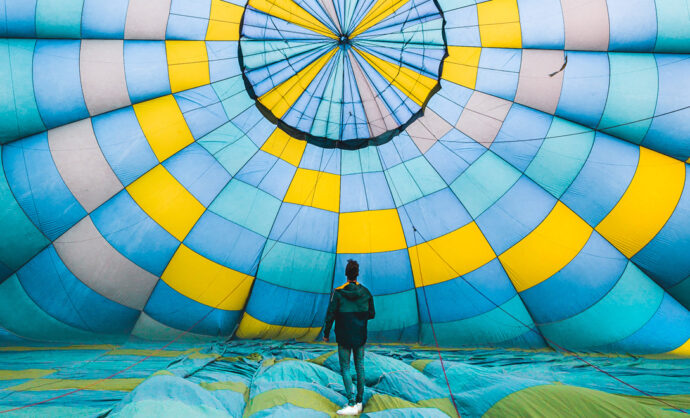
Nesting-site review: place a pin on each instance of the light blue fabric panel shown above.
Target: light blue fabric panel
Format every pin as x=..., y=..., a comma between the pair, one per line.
x=430, y=222
x=378, y=191
x=603, y=179
x=19, y=114
x=256, y=126
x=299, y=309
x=402, y=185
x=396, y=318
x=515, y=214
x=673, y=32
x=668, y=133
x=104, y=19
x=623, y=311
x=578, y=285
x=222, y=60
x=321, y=159
x=541, y=23
x=175, y=310
x=202, y=110
x=146, y=70
x=188, y=19
x=561, y=156
x=498, y=72
x=59, y=19
x=449, y=101
x=289, y=266
x=123, y=144
x=382, y=273
x=231, y=147
x=465, y=31
x=19, y=18
x=633, y=25
x=306, y=227
x=198, y=172
x=353, y=197
x=233, y=94
x=226, y=243
x=134, y=234
x=38, y=187
x=521, y=135
x=59, y=293
x=585, y=87
x=247, y=206
x=425, y=177
x=56, y=82
x=632, y=96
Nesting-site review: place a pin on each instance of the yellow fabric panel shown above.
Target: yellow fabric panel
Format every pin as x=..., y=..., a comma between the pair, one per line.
x=187, y=64
x=547, y=249
x=163, y=125
x=166, y=201
x=224, y=22
x=499, y=24
x=285, y=147
x=645, y=207
x=251, y=327
x=371, y=231
x=289, y=11
x=207, y=282
x=378, y=12
x=460, y=67
x=280, y=98
x=416, y=86
x=450, y=256
x=123, y=384
x=24, y=374
x=315, y=188
x=682, y=351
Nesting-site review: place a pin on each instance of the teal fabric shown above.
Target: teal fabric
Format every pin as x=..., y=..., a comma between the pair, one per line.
x=357, y=354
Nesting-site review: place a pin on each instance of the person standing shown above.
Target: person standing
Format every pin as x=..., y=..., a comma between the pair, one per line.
x=351, y=307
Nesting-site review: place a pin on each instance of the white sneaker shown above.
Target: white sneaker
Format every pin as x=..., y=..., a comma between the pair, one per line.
x=348, y=410
x=359, y=407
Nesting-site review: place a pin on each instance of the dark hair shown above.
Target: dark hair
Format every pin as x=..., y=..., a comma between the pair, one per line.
x=352, y=270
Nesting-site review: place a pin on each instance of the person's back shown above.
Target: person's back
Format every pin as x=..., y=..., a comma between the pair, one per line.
x=351, y=307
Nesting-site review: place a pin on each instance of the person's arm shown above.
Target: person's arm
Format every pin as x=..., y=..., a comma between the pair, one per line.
x=330, y=316
x=372, y=312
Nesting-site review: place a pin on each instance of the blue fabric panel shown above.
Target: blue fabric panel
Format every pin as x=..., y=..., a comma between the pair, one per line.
x=353, y=197
x=541, y=22
x=58, y=292
x=256, y=169
x=585, y=87
x=449, y=101
x=104, y=19
x=188, y=19
x=378, y=192
x=226, y=243
x=632, y=25
x=464, y=297
x=464, y=31
x=521, y=135
x=306, y=227
x=448, y=165
x=665, y=258
x=277, y=180
x=579, y=285
x=38, y=187
x=256, y=126
x=434, y=215
x=134, y=234
x=668, y=133
x=56, y=82
x=668, y=329
x=247, y=206
x=320, y=159
x=123, y=144
x=405, y=147
x=202, y=110
x=198, y=172
x=515, y=215
x=603, y=179
x=498, y=72
x=298, y=309
x=146, y=70
x=382, y=273
x=173, y=309
x=288, y=265
x=396, y=317
x=390, y=157
x=681, y=292
x=19, y=18
x=222, y=60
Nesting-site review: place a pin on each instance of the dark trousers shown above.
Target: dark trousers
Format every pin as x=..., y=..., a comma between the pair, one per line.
x=344, y=358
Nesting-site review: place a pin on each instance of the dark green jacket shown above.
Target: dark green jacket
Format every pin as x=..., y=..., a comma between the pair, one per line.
x=351, y=307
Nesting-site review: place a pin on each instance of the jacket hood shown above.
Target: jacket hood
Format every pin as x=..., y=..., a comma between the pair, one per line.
x=352, y=291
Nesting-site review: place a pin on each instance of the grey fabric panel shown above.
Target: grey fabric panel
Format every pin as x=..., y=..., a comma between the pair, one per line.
x=428, y=129
x=483, y=117
x=102, y=69
x=330, y=9
x=538, y=88
x=82, y=165
x=102, y=268
x=377, y=125
x=586, y=24
x=147, y=19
